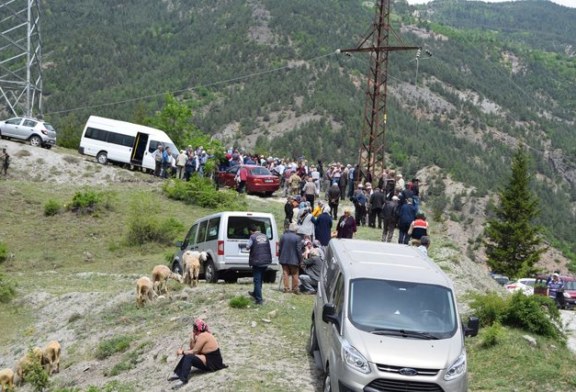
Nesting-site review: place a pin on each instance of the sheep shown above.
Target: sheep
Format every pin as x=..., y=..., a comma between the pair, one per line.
x=160, y=276
x=51, y=357
x=144, y=291
x=191, y=261
x=6, y=379
x=35, y=355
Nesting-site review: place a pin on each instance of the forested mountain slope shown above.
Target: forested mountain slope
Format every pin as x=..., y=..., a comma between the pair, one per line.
x=265, y=74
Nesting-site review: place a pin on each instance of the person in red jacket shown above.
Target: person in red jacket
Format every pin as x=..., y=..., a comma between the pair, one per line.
x=418, y=229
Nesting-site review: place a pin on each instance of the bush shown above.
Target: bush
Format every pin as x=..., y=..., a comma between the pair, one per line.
x=200, y=191
x=239, y=302
x=150, y=227
x=112, y=346
x=535, y=314
x=52, y=207
x=7, y=289
x=90, y=201
x=3, y=252
x=491, y=336
x=35, y=373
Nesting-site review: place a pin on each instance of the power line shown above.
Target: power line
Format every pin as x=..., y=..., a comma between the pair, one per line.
x=236, y=79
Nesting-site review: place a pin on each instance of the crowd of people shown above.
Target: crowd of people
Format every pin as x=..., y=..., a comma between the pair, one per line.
x=170, y=164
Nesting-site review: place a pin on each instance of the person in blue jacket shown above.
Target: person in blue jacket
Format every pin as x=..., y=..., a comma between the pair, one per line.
x=406, y=215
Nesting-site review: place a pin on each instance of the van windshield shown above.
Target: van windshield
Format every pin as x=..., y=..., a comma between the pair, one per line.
x=402, y=308
x=238, y=227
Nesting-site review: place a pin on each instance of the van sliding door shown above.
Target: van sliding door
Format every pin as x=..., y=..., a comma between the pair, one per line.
x=139, y=149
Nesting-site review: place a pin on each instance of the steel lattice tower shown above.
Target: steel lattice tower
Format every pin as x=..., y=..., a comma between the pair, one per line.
x=20, y=57
x=372, y=142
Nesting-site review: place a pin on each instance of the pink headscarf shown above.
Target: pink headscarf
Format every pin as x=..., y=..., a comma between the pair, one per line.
x=200, y=326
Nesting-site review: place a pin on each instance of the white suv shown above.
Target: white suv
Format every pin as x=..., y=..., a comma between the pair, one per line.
x=223, y=236
x=37, y=132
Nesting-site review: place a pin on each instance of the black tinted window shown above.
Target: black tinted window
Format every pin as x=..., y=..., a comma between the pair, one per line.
x=123, y=140
x=238, y=227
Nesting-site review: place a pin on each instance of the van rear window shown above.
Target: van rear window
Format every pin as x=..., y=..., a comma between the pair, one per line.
x=238, y=227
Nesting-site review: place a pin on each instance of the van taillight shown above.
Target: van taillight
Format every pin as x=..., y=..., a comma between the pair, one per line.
x=277, y=249
x=220, y=248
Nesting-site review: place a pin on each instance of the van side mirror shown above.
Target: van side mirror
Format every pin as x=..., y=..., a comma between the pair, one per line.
x=329, y=315
x=472, y=328
x=178, y=244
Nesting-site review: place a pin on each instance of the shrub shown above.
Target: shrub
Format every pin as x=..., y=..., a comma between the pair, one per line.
x=35, y=373
x=52, y=207
x=200, y=191
x=491, y=336
x=7, y=289
x=239, y=302
x=112, y=346
x=90, y=201
x=143, y=229
x=3, y=252
x=488, y=308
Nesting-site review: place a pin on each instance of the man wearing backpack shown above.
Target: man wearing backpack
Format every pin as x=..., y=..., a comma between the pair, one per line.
x=390, y=213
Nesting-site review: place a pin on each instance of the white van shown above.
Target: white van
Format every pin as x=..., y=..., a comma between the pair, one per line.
x=385, y=319
x=123, y=142
x=224, y=236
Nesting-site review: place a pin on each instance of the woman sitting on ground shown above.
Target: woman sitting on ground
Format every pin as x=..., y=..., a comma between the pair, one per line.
x=204, y=354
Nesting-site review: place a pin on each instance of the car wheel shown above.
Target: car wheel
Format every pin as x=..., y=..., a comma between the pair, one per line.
x=313, y=340
x=327, y=381
x=268, y=194
x=48, y=146
x=269, y=277
x=176, y=267
x=102, y=158
x=210, y=273
x=35, y=141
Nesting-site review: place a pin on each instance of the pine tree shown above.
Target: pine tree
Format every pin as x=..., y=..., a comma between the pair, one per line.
x=512, y=238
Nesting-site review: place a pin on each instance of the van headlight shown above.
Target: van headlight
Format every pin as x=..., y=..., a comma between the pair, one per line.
x=354, y=359
x=457, y=369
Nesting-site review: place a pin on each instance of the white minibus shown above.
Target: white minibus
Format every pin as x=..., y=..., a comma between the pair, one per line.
x=123, y=142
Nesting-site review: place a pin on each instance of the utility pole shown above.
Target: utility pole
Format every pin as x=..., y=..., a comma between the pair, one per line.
x=372, y=143
x=20, y=57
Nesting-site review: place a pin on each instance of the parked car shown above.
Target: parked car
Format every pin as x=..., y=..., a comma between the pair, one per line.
x=37, y=132
x=526, y=285
x=501, y=279
x=224, y=236
x=570, y=293
x=259, y=180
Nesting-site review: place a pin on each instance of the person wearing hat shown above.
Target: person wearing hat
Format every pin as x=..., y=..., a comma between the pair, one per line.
x=556, y=290
x=203, y=353
x=290, y=257
x=418, y=228
x=390, y=212
x=346, y=226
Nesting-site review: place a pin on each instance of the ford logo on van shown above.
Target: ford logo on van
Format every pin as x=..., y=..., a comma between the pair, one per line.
x=408, y=372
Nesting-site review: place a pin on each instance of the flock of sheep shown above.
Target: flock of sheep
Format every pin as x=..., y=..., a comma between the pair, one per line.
x=48, y=357
x=149, y=289
x=146, y=290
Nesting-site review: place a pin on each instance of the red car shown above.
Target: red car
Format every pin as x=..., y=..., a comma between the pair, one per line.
x=260, y=179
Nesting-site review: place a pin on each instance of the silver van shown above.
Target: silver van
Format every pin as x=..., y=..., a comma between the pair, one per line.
x=385, y=319
x=224, y=236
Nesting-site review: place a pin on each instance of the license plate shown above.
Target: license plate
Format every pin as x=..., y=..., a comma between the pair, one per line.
x=268, y=180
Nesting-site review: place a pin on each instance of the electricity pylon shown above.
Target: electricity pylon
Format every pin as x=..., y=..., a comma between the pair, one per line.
x=20, y=58
x=372, y=144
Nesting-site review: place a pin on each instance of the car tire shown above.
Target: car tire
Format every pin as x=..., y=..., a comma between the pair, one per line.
x=210, y=273
x=269, y=277
x=176, y=267
x=327, y=387
x=313, y=340
x=48, y=146
x=102, y=158
x=35, y=141
x=268, y=194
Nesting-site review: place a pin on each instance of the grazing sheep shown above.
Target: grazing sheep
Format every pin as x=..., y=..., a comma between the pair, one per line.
x=144, y=291
x=51, y=357
x=6, y=379
x=191, y=261
x=160, y=276
x=26, y=361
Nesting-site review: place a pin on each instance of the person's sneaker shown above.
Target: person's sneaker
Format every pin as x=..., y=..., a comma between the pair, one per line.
x=173, y=377
x=179, y=385
x=251, y=293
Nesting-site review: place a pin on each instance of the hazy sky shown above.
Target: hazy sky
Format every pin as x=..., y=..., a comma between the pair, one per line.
x=567, y=3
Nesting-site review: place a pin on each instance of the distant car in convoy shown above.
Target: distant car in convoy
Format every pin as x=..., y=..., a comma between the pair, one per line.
x=37, y=132
x=259, y=180
x=526, y=285
x=501, y=279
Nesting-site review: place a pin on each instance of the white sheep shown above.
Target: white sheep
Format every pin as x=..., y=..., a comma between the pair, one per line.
x=144, y=291
x=51, y=357
x=160, y=276
x=6, y=379
x=191, y=262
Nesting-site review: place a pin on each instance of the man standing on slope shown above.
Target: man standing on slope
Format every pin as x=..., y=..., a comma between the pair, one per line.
x=260, y=257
